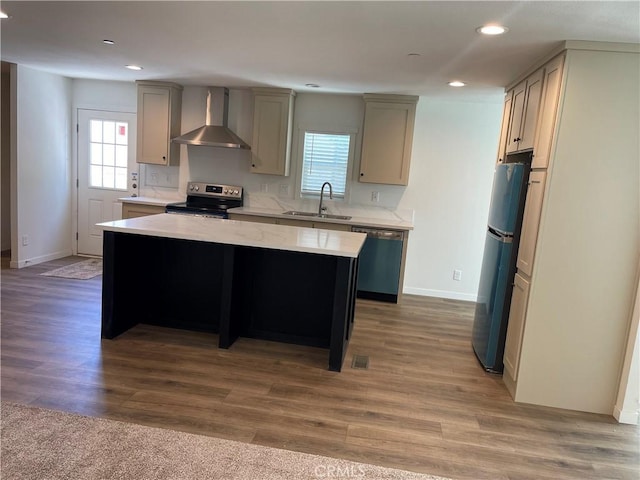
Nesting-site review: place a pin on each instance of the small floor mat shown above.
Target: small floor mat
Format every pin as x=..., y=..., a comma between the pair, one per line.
x=80, y=271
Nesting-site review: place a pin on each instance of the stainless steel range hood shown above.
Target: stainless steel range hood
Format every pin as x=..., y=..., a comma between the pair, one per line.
x=215, y=132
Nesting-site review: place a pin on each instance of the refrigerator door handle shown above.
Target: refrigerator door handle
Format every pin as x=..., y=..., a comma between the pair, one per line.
x=500, y=238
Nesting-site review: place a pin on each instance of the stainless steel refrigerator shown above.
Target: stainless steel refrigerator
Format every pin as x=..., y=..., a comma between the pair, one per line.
x=499, y=261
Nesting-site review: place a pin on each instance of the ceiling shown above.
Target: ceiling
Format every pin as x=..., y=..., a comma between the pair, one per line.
x=346, y=47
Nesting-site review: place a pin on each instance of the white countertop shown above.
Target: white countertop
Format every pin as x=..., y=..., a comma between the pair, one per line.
x=355, y=220
x=161, y=202
x=247, y=234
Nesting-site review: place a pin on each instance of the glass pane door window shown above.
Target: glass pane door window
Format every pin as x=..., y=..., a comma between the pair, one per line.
x=108, y=157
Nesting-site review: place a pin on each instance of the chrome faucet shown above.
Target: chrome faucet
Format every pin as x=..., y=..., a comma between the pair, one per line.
x=321, y=209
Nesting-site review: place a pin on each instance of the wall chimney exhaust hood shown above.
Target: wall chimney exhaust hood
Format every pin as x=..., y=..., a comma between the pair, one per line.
x=215, y=132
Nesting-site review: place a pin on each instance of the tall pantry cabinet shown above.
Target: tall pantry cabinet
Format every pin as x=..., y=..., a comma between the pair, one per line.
x=580, y=243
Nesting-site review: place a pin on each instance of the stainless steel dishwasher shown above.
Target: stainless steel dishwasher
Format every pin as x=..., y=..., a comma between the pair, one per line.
x=379, y=264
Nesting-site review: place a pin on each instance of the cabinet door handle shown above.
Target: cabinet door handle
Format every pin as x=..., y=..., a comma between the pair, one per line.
x=253, y=165
x=362, y=174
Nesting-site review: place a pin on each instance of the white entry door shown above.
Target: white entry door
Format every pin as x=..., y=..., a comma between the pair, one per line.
x=107, y=170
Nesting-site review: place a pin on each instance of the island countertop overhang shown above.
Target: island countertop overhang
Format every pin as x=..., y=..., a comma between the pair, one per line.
x=246, y=234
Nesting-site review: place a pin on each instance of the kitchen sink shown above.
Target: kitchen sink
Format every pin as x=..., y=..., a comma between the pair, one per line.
x=317, y=215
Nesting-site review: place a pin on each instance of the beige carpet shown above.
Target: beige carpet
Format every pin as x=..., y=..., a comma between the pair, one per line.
x=80, y=271
x=44, y=444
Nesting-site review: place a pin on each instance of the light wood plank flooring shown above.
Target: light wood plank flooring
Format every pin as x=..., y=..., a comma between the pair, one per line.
x=424, y=404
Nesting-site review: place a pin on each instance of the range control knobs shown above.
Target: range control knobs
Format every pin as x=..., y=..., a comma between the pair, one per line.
x=197, y=188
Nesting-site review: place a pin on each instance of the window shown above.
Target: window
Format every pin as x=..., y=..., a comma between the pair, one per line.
x=325, y=158
x=108, y=154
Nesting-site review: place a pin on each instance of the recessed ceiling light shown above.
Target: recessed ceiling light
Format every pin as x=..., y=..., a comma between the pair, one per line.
x=457, y=83
x=133, y=67
x=108, y=42
x=492, y=30
x=312, y=85
x=3, y=15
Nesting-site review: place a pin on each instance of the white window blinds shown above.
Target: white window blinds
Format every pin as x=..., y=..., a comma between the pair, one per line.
x=325, y=159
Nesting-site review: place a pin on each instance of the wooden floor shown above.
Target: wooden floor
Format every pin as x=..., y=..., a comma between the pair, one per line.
x=424, y=404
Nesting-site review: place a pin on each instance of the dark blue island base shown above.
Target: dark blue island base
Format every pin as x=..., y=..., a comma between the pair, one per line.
x=292, y=297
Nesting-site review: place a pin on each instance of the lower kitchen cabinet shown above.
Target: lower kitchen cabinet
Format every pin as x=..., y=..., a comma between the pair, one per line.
x=531, y=222
x=232, y=290
x=319, y=225
x=332, y=226
x=291, y=222
x=252, y=218
x=294, y=222
x=134, y=210
x=515, y=329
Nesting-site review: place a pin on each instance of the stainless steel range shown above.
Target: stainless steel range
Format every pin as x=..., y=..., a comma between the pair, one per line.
x=208, y=200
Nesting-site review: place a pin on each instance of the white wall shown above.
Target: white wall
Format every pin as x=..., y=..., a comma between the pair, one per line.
x=454, y=152
x=42, y=209
x=104, y=95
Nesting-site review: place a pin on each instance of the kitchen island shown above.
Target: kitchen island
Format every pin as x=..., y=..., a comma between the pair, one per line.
x=233, y=278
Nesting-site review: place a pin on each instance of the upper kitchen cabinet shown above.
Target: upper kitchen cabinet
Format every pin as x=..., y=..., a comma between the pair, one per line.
x=135, y=210
x=504, y=129
x=548, y=111
x=272, y=129
x=524, y=113
x=159, y=114
x=387, y=138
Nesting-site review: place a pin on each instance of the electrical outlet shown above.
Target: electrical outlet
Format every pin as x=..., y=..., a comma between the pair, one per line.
x=25, y=240
x=457, y=275
x=264, y=187
x=375, y=196
x=284, y=189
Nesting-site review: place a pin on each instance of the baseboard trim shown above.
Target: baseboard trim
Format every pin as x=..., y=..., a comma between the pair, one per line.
x=41, y=259
x=631, y=417
x=426, y=292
